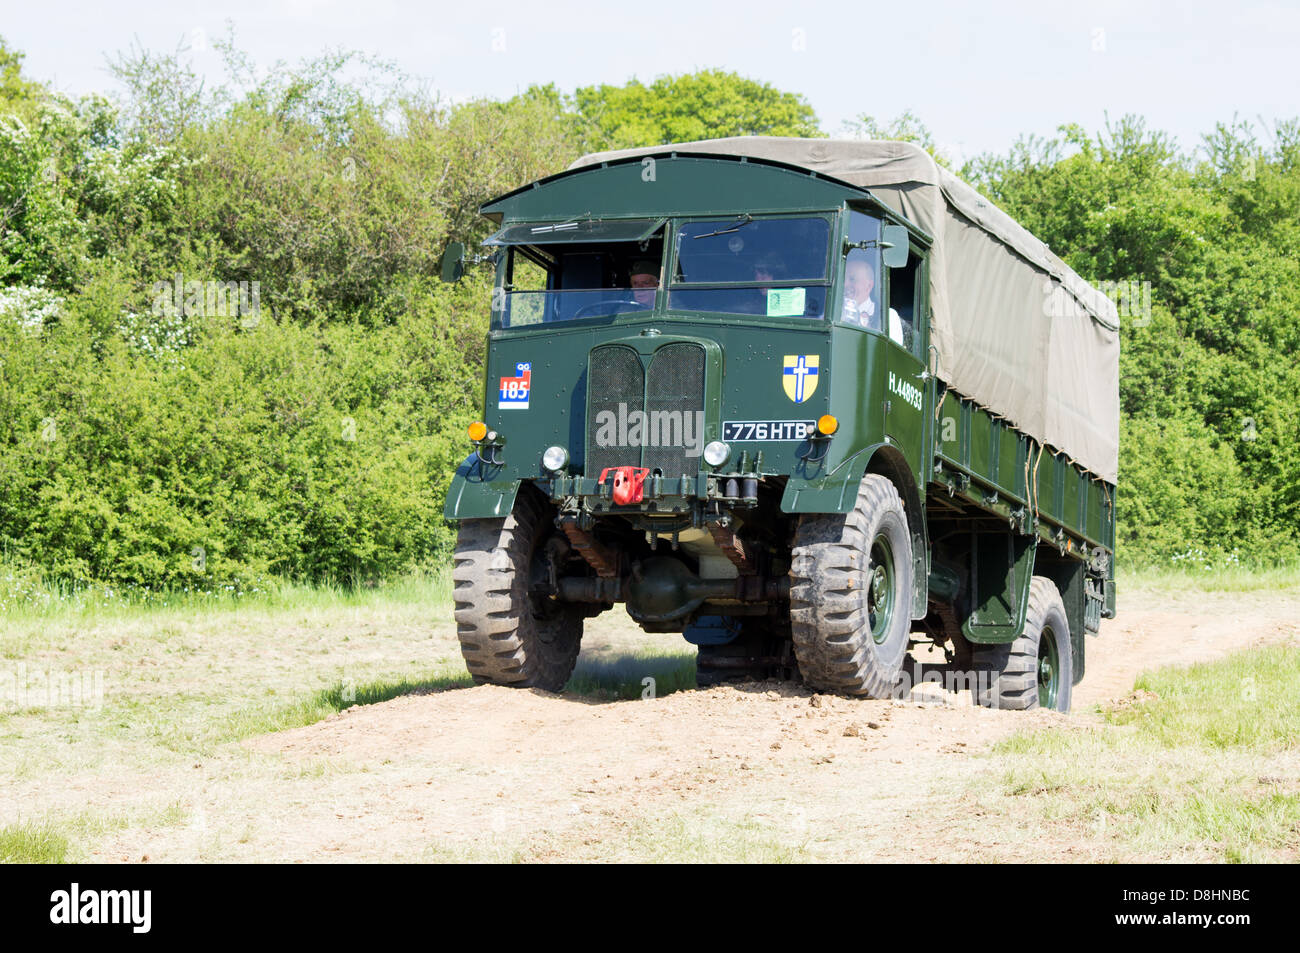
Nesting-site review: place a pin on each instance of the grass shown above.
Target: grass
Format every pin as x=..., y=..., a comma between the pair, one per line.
x=328, y=701
x=181, y=677
x=1209, y=577
x=1248, y=701
x=1198, y=764
x=675, y=837
x=185, y=675
x=33, y=843
x=703, y=836
x=27, y=594
x=57, y=838
x=634, y=675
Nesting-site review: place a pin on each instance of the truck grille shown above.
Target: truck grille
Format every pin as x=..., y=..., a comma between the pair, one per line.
x=615, y=377
x=674, y=392
x=671, y=395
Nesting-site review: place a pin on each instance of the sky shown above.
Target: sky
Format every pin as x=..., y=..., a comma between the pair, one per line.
x=979, y=75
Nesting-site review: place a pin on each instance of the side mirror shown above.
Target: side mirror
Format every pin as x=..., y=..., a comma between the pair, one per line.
x=894, y=239
x=453, y=262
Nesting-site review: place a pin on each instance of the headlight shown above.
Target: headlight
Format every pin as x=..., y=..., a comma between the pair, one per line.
x=717, y=453
x=555, y=458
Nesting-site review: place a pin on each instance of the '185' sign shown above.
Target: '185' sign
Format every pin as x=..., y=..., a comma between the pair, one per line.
x=513, y=394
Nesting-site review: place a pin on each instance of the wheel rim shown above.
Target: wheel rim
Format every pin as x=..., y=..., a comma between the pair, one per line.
x=880, y=589
x=1049, y=669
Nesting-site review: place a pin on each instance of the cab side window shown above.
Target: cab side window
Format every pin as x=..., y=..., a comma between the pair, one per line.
x=861, y=304
x=903, y=299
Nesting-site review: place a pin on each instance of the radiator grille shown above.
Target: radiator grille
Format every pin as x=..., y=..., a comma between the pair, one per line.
x=674, y=394
x=671, y=395
x=615, y=377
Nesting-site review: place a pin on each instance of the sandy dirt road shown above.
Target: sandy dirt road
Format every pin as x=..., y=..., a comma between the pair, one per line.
x=763, y=771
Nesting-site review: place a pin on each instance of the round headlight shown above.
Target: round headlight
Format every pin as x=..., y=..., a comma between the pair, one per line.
x=555, y=458
x=717, y=453
x=477, y=430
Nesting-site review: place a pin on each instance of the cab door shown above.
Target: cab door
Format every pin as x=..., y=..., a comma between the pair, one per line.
x=858, y=352
x=906, y=390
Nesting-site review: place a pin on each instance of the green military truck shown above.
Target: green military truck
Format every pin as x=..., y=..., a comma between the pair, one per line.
x=808, y=403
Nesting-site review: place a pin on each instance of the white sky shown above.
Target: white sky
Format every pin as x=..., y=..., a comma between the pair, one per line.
x=978, y=74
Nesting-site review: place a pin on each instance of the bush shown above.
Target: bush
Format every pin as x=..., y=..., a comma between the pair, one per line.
x=316, y=451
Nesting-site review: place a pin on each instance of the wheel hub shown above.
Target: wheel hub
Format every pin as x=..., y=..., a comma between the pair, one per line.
x=880, y=589
x=1048, y=669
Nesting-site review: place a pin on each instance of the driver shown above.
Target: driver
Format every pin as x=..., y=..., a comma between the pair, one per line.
x=645, y=282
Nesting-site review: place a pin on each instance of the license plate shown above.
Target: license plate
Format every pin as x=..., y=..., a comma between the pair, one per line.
x=738, y=430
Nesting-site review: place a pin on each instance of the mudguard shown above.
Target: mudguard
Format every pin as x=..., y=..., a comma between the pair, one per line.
x=1002, y=569
x=473, y=495
x=835, y=492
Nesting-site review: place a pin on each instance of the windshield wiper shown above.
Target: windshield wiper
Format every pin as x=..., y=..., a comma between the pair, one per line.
x=741, y=221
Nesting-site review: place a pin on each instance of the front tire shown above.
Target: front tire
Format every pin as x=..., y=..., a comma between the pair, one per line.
x=509, y=634
x=851, y=593
x=1037, y=669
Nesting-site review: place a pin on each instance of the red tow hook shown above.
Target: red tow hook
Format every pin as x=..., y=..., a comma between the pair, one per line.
x=628, y=483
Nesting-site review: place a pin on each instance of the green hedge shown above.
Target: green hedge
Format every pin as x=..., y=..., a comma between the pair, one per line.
x=316, y=451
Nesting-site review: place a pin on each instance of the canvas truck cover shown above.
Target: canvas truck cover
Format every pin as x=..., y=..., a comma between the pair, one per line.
x=1014, y=328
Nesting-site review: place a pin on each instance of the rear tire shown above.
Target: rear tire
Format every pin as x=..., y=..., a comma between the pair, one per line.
x=1037, y=669
x=851, y=593
x=509, y=634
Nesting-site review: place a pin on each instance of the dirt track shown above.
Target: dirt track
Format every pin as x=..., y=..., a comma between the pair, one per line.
x=763, y=771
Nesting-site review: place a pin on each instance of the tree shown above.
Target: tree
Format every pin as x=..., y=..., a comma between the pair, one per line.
x=13, y=88
x=906, y=127
x=708, y=104
x=1209, y=427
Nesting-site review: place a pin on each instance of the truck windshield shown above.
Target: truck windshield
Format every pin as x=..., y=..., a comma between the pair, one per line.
x=774, y=267
x=579, y=280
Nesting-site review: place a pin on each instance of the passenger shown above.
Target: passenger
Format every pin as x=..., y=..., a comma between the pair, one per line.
x=859, y=282
x=860, y=306
x=644, y=279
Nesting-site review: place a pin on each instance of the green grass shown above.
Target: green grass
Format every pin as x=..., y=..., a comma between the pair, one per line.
x=56, y=838
x=33, y=843
x=625, y=677
x=1248, y=701
x=26, y=594
x=1244, y=576
x=1199, y=763
x=262, y=720
x=702, y=836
